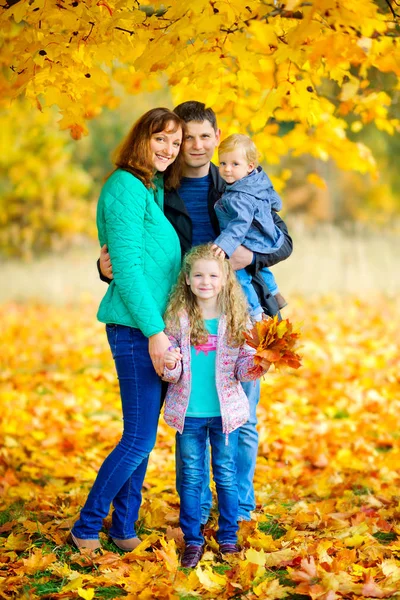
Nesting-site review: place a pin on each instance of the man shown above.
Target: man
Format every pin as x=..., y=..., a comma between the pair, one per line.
x=190, y=209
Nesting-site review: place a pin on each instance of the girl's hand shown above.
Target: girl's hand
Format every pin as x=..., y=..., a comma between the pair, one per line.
x=172, y=356
x=218, y=251
x=158, y=345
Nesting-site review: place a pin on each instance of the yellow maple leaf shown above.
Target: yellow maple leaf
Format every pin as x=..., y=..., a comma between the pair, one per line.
x=16, y=542
x=209, y=579
x=87, y=594
x=274, y=559
x=168, y=554
x=349, y=90
x=75, y=583
x=256, y=557
x=316, y=180
x=271, y=590
x=38, y=561
x=355, y=541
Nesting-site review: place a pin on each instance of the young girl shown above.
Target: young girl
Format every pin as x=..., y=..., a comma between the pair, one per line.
x=206, y=317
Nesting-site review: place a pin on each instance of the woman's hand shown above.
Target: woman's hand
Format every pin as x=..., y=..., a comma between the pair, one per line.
x=158, y=346
x=105, y=263
x=171, y=357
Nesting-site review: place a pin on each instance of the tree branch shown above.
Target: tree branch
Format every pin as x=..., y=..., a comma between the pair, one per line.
x=391, y=8
x=396, y=15
x=126, y=30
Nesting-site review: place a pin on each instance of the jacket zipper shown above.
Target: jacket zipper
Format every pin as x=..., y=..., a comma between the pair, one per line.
x=190, y=383
x=217, y=381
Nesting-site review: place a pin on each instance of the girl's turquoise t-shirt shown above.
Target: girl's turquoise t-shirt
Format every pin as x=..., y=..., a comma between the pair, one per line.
x=203, y=401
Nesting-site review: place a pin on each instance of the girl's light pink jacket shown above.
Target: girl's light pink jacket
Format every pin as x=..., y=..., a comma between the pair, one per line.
x=232, y=366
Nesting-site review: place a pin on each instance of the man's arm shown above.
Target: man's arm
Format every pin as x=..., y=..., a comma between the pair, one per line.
x=243, y=257
x=104, y=266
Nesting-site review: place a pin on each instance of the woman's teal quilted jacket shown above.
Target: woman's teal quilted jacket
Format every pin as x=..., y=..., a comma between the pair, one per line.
x=144, y=251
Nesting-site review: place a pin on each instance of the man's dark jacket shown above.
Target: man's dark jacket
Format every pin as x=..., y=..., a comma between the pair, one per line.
x=177, y=214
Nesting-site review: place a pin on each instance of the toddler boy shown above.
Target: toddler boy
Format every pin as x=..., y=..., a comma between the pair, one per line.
x=244, y=213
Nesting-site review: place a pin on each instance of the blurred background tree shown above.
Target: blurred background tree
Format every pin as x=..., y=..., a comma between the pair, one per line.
x=316, y=84
x=46, y=195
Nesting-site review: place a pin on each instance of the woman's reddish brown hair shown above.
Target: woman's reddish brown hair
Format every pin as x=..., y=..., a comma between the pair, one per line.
x=134, y=154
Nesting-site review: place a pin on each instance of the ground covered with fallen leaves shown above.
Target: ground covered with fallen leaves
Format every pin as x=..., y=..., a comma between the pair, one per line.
x=327, y=481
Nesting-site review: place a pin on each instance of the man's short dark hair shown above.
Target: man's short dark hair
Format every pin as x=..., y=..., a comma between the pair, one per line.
x=196, y=111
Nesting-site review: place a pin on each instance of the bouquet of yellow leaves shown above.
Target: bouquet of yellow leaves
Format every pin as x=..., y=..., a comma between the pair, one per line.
x=274, y=342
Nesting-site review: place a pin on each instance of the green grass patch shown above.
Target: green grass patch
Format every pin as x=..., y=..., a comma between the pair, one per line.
x=14, y=511
x=141, y=529
x=112, y=591
x=385, y=537
x=44, y=588
x=109, y=545
x=284, y=578
x=221, y=569
x=288, y=504
x=360, y=490
x=384, y=448
x=272, y=528
x=341, y=414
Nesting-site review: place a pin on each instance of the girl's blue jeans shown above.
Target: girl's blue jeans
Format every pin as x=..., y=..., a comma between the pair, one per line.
x=245, y=462
x=120, y=478
x=191, y=445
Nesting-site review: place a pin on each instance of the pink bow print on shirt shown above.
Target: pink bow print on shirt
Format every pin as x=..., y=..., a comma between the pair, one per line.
x=209, y=346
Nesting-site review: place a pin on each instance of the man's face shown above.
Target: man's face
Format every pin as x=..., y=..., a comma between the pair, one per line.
x=199, y=143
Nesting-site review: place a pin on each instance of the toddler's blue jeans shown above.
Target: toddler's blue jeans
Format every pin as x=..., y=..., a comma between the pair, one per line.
x=120, y=478
x=191, y=445
x=244, y=279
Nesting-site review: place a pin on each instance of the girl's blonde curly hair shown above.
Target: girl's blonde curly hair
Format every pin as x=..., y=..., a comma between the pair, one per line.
x=231, y=300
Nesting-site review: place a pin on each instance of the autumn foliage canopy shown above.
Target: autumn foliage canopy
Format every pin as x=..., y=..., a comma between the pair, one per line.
x=293, y=67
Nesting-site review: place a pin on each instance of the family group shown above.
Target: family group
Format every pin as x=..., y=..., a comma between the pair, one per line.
x=186, y=250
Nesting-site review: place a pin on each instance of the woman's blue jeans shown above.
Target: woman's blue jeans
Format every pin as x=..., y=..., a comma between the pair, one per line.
x=120, y=478
x=192, y=444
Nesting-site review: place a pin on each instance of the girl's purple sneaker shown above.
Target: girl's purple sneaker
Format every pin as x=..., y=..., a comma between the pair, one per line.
x=227, y=548
x=191, y=556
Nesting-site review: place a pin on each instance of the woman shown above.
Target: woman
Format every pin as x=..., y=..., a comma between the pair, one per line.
x=145, y=254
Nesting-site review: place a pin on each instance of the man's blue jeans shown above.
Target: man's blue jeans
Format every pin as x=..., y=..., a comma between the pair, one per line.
x=192, y=443
x=245, y=462
x=120, y=478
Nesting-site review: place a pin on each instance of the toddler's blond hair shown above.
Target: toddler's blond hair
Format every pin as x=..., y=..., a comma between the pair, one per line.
x=239, y=140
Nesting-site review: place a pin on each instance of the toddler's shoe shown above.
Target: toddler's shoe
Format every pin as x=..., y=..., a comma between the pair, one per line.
x=228, y=548
x=280, y=300
x=191, y=556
